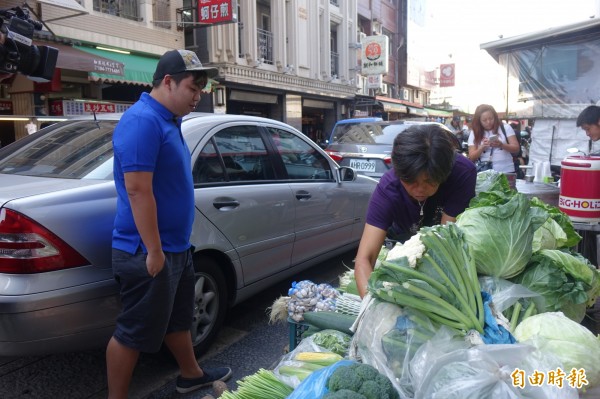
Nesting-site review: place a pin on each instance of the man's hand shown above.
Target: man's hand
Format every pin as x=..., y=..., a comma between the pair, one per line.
x=155, y=262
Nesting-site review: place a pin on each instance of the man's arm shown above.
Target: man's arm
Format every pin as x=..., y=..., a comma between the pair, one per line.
x=143, y=207
x=370, y=244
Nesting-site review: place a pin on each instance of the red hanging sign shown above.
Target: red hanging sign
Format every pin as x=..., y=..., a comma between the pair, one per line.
x=447, y=75
x=212, y=12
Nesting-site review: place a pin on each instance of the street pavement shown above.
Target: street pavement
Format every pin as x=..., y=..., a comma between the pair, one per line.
x=248, y=342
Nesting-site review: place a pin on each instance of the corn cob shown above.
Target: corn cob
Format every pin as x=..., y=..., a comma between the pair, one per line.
x=321, y=358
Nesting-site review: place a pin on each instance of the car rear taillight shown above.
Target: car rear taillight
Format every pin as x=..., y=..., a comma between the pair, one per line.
x=336, y=156
x=28, y=247
x=387, y=160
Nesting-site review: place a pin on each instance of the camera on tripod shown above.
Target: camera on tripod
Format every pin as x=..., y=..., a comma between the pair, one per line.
x=18, y=53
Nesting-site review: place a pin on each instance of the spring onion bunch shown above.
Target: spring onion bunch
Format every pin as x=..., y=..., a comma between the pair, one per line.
x=260, y=385
x=442, y=283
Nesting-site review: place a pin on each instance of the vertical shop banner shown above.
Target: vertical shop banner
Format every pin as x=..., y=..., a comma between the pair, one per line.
x=447, y=72
x=212, y=12
x=374, y=55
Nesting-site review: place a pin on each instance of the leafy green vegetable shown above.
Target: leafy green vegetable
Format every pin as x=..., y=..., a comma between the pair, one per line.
x=443, y=283
x=568, y=282
x=573, y=344
x=490, y=181
x=333, y=340
x=557, y=232
x=262, y=384
x=499, y=231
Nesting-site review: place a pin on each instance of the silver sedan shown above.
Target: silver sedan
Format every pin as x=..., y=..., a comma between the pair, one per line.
x=269, y=203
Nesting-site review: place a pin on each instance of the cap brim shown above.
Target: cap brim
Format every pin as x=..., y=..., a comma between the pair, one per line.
x=211, y=72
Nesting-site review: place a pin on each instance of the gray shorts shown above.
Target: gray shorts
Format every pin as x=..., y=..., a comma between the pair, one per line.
x=153, y=307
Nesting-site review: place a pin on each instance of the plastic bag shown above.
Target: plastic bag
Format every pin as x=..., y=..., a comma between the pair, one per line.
x=306, y=345
x=315, y=385
x=444, y=368
x=512, y=300
x=387, y=337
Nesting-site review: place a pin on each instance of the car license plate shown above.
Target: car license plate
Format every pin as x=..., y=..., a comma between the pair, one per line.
x=361, y=165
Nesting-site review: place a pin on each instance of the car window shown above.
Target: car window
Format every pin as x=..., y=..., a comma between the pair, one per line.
x=74, y=149
x=389, y=133
x=361, y=133
x=301, y=160
x=367, y=133
x=236, y=153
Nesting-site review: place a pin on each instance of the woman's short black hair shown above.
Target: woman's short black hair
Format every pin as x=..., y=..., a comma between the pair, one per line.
x=427, y=148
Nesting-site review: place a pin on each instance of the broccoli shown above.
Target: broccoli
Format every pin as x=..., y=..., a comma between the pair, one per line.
x=344, y=377
x=370, y=390
x=362, y=379
x=385, y=385
x=343, y=394
x=366, y=372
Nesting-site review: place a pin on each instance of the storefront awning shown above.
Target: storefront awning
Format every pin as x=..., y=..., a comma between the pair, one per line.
x=138, y=69
x=438, y=112
x=63, y=9
x=417, y=111
x=77, y=60
x=393, y=107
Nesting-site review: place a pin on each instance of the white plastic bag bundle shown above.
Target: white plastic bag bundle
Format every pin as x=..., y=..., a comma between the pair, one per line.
x=441, y=369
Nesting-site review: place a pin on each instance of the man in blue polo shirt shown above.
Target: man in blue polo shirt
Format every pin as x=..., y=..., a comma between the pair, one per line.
x=152, y=260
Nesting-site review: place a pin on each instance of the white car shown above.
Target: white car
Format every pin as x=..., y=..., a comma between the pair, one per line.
x=269, y=203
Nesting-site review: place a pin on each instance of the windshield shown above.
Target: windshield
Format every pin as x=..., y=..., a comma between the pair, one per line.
x=366, y=133
x=73, y=150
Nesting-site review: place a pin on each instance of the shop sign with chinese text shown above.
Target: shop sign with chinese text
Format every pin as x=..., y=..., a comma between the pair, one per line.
x=69, y=107
x=374, y=55
x=212, y=12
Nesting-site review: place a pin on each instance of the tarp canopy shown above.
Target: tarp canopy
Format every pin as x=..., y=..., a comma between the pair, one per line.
x=551, y=74
x=550, y=139
x=138, y=68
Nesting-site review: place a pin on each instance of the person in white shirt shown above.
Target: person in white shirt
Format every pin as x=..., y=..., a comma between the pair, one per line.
x=491, y=140
x=31, y=127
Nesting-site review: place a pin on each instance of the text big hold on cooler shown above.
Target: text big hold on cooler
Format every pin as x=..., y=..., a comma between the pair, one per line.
x=580, y=188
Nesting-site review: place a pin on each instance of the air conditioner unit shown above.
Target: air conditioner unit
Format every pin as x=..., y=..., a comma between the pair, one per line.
x=383, y=89
x=361, y=36
x=405, y=93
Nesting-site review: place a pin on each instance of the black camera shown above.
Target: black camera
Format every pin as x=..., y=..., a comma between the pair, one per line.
x=18, y=53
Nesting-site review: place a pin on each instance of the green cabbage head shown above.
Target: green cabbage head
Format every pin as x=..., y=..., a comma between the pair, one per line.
x=573, y=344
x=499, y=233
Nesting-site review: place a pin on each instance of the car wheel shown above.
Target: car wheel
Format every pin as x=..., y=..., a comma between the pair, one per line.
x=210, y=303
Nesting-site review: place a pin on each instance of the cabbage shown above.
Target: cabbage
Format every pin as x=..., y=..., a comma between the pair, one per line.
x=573, y=344
x=499, y=231
x=568, y=282
x=557, y=232
x=549, y=236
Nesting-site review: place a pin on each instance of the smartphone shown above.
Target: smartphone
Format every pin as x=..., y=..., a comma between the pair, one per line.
x=494, y=137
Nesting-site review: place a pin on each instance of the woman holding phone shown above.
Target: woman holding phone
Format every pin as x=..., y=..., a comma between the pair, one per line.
x=492, y=141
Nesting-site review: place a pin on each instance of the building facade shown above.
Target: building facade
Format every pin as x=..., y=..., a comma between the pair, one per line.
x=90, y=76
x=298, y=61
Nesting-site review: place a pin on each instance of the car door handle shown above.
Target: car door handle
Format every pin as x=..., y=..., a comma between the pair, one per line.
x=226, y=205
x=303, y=195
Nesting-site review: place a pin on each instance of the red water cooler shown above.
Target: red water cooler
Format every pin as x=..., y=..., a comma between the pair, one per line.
x=580, y=188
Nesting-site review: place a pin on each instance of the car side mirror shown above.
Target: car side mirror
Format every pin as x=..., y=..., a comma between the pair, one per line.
x=346, y=173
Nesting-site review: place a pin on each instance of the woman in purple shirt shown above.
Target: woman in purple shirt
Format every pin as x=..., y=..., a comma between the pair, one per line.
x=430, y=183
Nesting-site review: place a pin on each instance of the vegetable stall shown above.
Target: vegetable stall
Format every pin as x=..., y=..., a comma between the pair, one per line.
x=488, y=307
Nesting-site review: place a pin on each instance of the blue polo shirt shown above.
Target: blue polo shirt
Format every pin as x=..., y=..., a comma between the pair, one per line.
x=148, y=139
